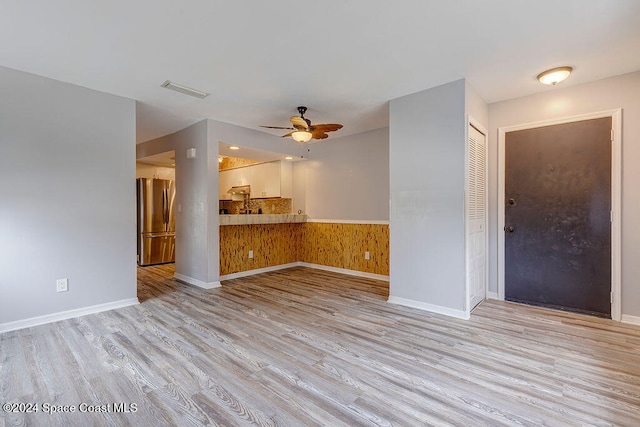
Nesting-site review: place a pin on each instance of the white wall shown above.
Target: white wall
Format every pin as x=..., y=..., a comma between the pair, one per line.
x=427, y=148
x=150, y=171
x=616, y=92
x=345, y=178
x=67, y=163
x=299, y=186
x=475, y=106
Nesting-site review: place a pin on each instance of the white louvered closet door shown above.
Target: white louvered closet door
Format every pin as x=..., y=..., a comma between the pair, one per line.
x=476, y=238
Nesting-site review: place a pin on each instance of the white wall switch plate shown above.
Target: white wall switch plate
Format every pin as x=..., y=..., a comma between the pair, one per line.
x=62, y=285
x=250, y=254
x=366, y=255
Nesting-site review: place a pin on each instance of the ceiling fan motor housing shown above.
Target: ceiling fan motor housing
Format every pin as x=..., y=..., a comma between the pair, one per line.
x=303, y=125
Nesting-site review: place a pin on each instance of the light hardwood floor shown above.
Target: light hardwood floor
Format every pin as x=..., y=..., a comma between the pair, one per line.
x=303, y=347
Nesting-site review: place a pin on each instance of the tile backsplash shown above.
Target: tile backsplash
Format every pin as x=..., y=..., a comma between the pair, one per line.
x=268, y=206
x=234, y=162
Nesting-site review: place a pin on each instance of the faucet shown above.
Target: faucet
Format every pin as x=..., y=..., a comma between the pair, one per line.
x=246, y=202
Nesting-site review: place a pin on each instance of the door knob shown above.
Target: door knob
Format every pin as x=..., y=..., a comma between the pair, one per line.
x=509, y=228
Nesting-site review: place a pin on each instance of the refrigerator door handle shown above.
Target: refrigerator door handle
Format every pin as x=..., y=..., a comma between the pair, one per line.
x=164, y=209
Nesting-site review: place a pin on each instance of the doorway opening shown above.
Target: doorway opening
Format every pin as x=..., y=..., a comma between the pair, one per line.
x=559, y=216
x=156, y=209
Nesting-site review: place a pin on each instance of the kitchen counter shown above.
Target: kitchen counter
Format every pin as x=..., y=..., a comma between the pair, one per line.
x=261, y=219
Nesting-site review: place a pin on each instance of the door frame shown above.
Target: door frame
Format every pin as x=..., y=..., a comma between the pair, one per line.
x=616, y=198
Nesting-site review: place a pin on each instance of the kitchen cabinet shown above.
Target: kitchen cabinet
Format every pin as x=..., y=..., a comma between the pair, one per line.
x=267, y=180
x=225, y=182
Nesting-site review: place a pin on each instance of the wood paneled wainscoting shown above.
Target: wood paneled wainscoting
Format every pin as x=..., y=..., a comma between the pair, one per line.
x=342, y=245
x=328, y=244
x=272, y=245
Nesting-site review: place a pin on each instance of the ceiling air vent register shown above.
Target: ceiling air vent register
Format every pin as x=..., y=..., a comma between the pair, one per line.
x=184, y=89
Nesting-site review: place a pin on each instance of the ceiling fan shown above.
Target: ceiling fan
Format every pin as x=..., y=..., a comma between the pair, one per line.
x=303, y=130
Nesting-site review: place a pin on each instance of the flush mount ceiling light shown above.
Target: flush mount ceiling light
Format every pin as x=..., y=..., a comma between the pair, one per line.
x=554, y=75
x=301, y=136
x=184, y=89
x=233, y=147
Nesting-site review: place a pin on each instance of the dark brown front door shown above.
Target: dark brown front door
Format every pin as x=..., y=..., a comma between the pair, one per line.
x=557, y=216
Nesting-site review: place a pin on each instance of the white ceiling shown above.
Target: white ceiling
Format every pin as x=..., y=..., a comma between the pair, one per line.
x=168, y=159
x=344, y=59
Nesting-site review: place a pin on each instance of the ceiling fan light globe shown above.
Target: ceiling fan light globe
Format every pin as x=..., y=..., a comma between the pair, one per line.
x=301, y=136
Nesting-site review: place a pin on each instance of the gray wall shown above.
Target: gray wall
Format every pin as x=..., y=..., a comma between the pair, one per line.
x=196, y=260
x=617, y=92
x=345, y=178
x=67, y=210
x=426, y=157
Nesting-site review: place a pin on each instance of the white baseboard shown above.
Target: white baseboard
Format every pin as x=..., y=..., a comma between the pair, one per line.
x=492, y=295
x=633, y=320
x=348, y=221
x=258, y=271
x=305, y=264
x=63, y=315
x=345, y=271
x=40, y=320
x=196, y=282
x=460, y=314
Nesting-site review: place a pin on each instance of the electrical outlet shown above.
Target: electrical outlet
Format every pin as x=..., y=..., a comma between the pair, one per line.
x=250, y=254
x=366, y=255
x=62, y=285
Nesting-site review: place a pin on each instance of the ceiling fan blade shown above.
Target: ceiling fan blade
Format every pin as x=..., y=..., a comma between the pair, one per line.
x=319, y=134
x=328, y=127
x=299, y=122
x=275, y=127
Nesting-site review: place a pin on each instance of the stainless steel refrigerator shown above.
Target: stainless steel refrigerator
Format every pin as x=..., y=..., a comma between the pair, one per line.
x=156, y=221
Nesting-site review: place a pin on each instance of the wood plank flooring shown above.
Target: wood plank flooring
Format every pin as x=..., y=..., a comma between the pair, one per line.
x=303, y=347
